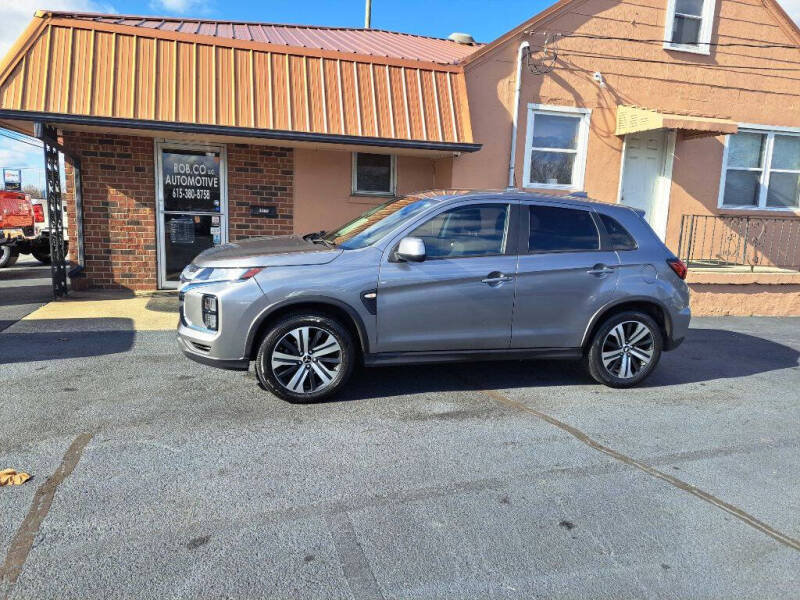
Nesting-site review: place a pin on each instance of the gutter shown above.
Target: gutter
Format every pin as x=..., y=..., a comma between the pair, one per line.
x=269, y=134
x=512, y=158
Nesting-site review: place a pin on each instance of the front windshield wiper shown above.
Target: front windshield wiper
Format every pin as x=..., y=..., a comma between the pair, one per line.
x=322, y=240
x=314, y=235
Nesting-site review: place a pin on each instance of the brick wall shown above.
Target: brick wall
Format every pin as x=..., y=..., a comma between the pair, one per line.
x=259, y=175
x=119, y=207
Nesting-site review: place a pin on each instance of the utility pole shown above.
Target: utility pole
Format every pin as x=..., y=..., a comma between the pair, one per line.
x=368, y=14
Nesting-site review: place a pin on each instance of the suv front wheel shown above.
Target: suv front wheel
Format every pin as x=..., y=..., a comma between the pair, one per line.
x=305, y=357
x=625, y=349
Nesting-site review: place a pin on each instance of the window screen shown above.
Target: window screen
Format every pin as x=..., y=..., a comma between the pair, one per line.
x=373, y=173
x=618, y=236
x=476, y=230
x=555, y=229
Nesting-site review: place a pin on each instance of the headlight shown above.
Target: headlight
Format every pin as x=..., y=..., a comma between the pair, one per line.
x=197, y=274
x=210, y=312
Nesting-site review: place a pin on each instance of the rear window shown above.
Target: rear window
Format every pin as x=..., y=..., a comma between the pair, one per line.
x=618, y=236
x=556, y=229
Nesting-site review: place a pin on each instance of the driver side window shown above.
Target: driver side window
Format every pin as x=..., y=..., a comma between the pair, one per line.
x=466, y=231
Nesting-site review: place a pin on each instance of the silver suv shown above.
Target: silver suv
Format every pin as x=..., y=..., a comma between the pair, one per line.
x=435, y=277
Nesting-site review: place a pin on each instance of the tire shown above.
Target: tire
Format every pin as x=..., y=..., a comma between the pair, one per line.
x=42, y=255
x=623, y=365
x=8, y=256
x=284, y=375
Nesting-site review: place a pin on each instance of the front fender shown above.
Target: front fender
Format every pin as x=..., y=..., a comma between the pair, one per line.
x=305, y=299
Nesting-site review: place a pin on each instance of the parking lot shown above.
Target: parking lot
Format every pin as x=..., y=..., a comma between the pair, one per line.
x=155, y=477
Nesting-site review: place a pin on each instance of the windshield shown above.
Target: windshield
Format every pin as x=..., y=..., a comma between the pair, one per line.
x=372, y=225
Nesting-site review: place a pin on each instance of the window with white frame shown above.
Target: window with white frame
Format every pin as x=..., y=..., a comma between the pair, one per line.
x=761, y=170
x=688, y=25
x=373, y=174
x=555, y=147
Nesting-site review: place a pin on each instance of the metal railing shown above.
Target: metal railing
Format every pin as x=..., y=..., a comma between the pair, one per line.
x=768, y=243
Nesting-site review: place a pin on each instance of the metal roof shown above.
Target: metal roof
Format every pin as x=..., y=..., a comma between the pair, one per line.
x=65, y=68
x=371, y=42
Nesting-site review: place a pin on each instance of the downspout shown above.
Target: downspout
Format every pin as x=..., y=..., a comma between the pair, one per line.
x=515, y=117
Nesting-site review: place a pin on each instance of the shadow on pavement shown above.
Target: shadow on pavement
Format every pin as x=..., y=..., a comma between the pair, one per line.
x=40, y=340
x=26, y=294
x=707, y=354
x=22, y=274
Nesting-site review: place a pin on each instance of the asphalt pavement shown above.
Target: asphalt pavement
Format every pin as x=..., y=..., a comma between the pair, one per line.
x=23, y=288
x=155, y=477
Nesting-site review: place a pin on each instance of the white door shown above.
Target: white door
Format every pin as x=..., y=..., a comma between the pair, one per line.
x=191, y=189
x=647, y=174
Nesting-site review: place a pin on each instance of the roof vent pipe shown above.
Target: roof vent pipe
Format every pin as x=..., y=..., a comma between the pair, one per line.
x=515, y=116
x=461, y=38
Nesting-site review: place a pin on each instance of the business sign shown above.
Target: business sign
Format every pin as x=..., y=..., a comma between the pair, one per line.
x=191, y=180
x=12, y=180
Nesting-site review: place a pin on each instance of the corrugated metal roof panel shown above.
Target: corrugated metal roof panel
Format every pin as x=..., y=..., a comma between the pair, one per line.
x=93, y=69
x=373, y=42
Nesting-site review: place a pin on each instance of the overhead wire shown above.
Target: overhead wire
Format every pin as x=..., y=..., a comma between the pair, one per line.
x=588, y=54
x=661, y=42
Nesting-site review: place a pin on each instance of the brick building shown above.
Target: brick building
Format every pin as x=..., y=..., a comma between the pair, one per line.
x=689, y=112
x=188, y=134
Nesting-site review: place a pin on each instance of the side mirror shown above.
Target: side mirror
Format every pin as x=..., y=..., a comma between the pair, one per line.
x=411, y=249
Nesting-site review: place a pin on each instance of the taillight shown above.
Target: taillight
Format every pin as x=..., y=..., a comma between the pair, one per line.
x=38, y=213
x=678, y=266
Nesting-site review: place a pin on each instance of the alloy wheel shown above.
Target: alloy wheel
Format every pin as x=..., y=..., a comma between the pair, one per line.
x=627, y=349
x=306, y=359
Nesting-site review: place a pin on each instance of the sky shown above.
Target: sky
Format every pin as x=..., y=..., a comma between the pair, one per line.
x=483, y=19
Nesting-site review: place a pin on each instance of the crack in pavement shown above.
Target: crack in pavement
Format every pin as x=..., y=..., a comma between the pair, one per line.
x=23, y=539
x=674, y=481
x=355, y=565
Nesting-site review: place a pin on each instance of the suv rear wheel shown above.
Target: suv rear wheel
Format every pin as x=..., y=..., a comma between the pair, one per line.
x=306, y=357
x=8, y=256
x=625, y=349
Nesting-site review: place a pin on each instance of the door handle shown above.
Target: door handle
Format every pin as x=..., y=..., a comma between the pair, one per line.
x=600, y=269
x=496, y=277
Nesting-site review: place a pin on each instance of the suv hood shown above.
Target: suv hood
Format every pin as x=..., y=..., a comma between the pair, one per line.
x=270, y=251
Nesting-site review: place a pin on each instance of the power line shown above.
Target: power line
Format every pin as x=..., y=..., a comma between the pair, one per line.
x=661, y=42
x=586, y=54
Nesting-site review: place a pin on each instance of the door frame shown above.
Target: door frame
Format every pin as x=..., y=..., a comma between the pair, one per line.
x=165, y=144
x=664, y=189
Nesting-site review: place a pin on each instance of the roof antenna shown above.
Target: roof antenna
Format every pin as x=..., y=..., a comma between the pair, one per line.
x=368, y=14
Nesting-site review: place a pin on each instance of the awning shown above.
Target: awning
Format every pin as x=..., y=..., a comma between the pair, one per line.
x=633, y=119
x=78, y=72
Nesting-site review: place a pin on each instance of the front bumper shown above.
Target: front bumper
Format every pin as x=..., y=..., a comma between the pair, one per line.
x=224, y=347
x=239, y=364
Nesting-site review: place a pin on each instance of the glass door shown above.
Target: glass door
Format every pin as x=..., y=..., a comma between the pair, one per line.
x=192, y=205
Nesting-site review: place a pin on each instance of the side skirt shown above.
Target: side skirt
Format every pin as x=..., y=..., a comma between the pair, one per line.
x=445, y=356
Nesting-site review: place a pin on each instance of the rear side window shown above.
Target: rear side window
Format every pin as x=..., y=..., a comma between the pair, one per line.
x=556, y=229
x=618, y=236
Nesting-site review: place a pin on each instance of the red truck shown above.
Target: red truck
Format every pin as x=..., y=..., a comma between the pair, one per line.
x=17, y=231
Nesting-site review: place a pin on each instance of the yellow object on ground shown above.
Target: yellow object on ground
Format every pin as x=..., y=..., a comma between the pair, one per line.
x=12, y=477
x=144, y=313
